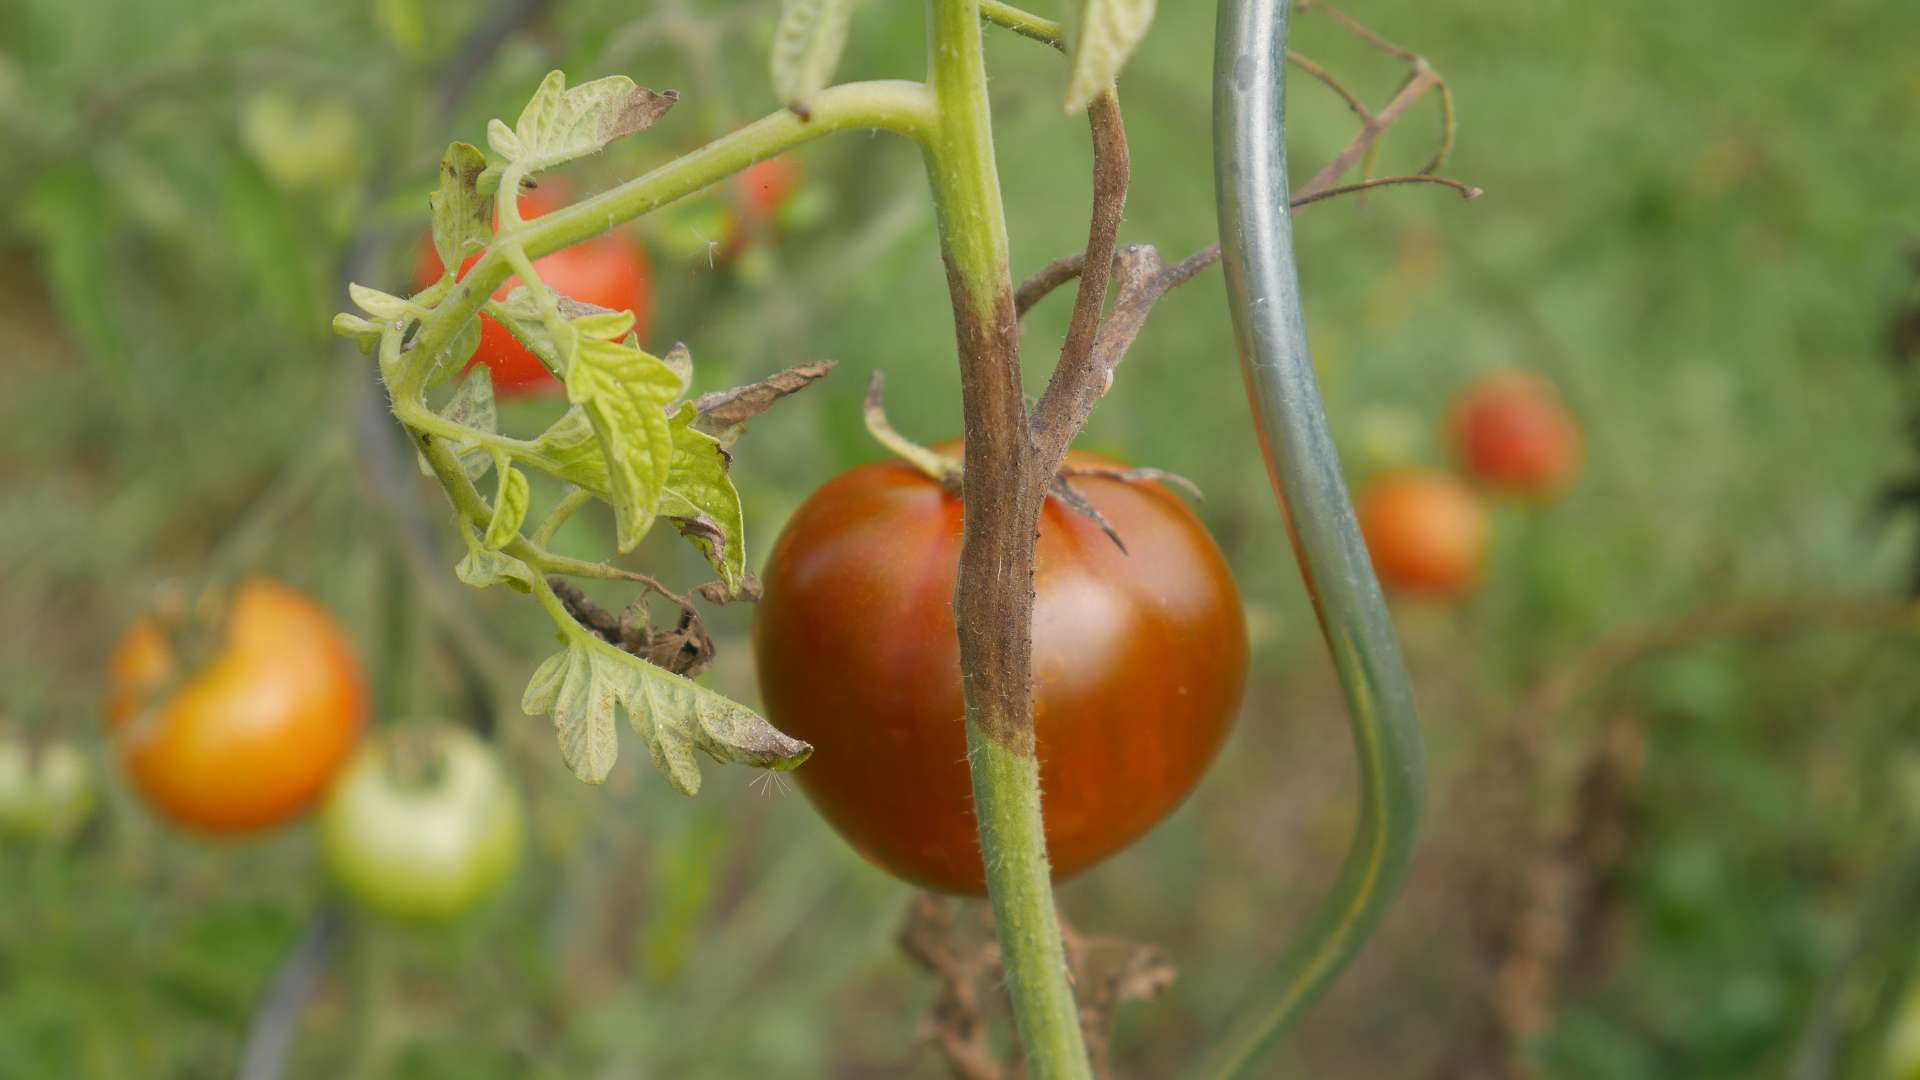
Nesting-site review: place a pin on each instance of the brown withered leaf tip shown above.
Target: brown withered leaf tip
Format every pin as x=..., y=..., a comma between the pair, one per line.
x=644, y=108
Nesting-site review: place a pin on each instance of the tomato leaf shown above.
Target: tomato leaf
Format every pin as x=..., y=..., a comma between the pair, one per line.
x=624, y=391
x=701, y=500
x=807, y=43
x=472, y=406
x=462, y=219
x=571, y=446
x=509, y=504
x=482, y=568
x=724, y=413
x=581, y=687
x=562, y=124
x=1101, y=36
x=381, y=306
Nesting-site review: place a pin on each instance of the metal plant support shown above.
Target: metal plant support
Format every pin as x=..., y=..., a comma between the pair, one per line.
x=1263, y=292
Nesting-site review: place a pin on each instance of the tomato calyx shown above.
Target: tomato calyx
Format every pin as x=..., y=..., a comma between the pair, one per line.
x=943, y=469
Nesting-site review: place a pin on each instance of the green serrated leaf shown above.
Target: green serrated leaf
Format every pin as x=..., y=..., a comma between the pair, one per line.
x=509, y=505
x=581, y=688
x=482, y=568
x=572, y=445
x=701, y=500
x=807, y=43
x=562, y=124
x=462, y=217
x=624, y=391
x=1101, y=36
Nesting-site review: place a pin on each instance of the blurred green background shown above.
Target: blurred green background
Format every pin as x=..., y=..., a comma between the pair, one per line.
x=1696, y=225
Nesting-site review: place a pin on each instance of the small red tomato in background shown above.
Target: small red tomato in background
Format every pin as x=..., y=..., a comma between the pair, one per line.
x=1512, y=432
x=1138, y=663
x=765, y=186
x=422, y=826
x=252, y=737
x=610, y=270
x=1426, y=530
x=761, y=191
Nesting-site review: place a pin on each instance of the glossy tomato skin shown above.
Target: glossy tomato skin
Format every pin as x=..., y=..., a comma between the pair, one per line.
x=251, y=739
x=1138, y=660
x=1512, y=432
x=609, y=270
x=1426, y=531
x=427, y=851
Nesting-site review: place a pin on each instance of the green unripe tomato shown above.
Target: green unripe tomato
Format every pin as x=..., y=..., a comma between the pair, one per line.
x=422, y=832
x=45, y=795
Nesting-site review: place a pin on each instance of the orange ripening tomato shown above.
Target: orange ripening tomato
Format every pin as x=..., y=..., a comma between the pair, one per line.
x=1139, y=661
x=1512, y=432
x=251, y=739
x=610, y=270
x=1426, y=531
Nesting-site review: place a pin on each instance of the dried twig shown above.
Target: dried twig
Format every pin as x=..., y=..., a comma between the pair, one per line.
x=1078, y=381
x=1107, y=974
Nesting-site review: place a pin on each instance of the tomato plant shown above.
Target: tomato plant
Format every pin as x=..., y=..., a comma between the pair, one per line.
x=611, y=271
x=250, y=737
x=45, y=790
x=1426, y=531
x=422, y=825
x=1512, y=432
x=1139, y=661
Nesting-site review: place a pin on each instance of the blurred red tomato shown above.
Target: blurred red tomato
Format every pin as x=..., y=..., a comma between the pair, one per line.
x=1512, y=433
x=609, y=270
x=1426, y=530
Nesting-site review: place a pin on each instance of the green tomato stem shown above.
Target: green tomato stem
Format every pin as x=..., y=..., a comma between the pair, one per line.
x=905, y=108
x=994, y=595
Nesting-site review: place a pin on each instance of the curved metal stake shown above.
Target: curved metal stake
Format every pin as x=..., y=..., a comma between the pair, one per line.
x=1263, y=290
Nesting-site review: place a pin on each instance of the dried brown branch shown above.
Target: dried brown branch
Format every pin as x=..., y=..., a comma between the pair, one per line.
x=1326, y=77
x=1077, y=382
x=684, y=649
x=1423, y=79
x=1467, y=191
x=1107, y=974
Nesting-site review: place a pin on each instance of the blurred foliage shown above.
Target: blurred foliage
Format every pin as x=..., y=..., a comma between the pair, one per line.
x=1695, y=225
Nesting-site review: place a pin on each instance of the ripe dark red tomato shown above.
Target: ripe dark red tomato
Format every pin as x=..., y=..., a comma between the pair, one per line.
x=250, y=739
x=1426, y=530
x=609, y=270
x=1138, y=663
x=1513, y=433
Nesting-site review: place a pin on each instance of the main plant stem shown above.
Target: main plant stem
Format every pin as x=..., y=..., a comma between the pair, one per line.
x=993, y=599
